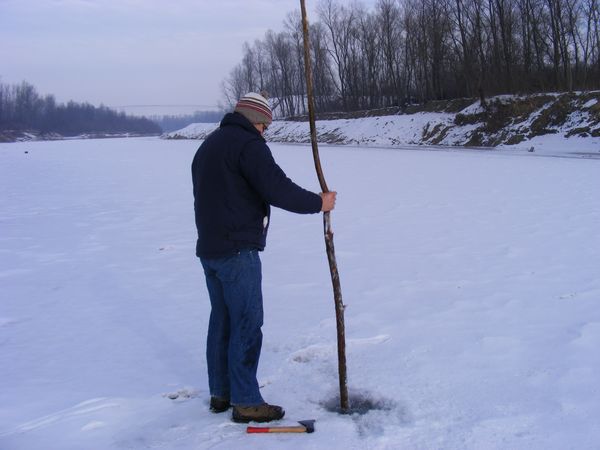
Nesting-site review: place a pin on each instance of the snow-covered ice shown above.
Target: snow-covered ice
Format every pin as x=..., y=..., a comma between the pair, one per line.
x=470, y=278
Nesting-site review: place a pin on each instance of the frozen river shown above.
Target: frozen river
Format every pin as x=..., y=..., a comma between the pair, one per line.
x=470, y=278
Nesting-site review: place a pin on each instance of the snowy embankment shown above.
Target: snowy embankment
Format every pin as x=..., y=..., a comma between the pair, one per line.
x=547, y=124
x=470, y=279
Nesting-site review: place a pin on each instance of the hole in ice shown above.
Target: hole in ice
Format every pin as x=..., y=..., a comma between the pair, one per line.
x=360, y=403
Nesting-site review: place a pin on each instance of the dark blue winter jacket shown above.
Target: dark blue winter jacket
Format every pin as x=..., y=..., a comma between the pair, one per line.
x=235, y=181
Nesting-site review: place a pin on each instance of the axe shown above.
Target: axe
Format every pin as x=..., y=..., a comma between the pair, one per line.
x=306, y=426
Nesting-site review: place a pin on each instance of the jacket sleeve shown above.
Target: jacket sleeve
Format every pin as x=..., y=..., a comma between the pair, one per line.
x=269, y=180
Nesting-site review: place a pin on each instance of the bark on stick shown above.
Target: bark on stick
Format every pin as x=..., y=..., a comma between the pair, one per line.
x=335, y=277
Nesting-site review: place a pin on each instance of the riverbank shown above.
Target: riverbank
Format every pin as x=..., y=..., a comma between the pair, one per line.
x=7, y=136
x=563, y=123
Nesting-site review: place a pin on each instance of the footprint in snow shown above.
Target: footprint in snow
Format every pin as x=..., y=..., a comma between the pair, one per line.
x=182, y=394
x=83, y=408
x=324, y=351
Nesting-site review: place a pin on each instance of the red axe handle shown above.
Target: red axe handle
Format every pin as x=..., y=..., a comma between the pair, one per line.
x=306, y=426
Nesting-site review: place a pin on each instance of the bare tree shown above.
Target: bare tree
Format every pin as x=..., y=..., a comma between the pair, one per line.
x=390, y=40
x=293, y=25
x=370, y=68
x=234, y=86
x=323, y=78
x=339, y=21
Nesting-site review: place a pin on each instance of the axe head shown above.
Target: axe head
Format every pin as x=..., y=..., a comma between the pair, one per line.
x=308, y=424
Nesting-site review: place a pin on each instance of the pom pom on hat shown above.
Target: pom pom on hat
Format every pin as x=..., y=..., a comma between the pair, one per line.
x=255, y=108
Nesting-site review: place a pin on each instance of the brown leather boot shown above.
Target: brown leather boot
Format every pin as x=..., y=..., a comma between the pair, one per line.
x=219, y=405
x=259, y=413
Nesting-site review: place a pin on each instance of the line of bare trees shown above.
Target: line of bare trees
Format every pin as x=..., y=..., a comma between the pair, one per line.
x=407, y=51
x=23, y=109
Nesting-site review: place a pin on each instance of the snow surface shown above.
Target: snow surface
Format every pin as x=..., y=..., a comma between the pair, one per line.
x=471, y=279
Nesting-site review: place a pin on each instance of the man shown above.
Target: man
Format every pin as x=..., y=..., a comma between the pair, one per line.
x=236, y=180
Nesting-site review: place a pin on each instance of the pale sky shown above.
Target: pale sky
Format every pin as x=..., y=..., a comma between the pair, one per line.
x=133, y=52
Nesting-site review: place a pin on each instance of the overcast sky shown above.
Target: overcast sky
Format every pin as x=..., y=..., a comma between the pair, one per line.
x=132, y=52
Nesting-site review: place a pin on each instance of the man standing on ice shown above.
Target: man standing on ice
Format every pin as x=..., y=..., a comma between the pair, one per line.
x=236, y=180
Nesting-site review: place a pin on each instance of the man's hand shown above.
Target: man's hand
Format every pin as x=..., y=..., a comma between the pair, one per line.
x=328, y=199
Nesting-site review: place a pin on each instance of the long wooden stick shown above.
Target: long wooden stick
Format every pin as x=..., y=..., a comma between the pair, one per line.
x=335, y=277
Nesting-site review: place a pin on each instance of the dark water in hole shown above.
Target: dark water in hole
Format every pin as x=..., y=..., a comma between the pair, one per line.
x=360, y=403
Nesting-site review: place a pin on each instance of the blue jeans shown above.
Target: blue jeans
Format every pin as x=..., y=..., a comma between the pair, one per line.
x=234, y=331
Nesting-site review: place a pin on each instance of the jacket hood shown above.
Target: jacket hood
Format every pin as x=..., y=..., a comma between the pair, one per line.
x=237, y=119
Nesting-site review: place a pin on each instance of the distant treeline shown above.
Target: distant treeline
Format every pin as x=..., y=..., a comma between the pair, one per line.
x=23, y=109
x=407, y=51
x=172, y=123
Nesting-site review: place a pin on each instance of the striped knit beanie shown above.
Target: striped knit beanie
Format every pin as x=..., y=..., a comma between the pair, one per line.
x=255, y=108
